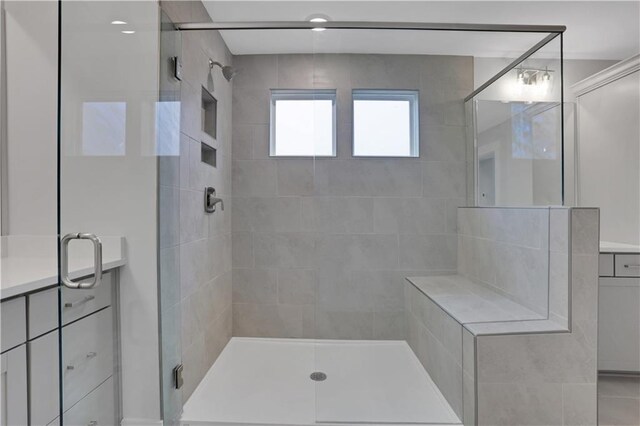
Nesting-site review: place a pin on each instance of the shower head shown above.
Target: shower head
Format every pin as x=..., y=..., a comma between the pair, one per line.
x=227, y=71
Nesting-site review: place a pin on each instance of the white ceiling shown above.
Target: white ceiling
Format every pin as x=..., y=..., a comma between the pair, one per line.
x=595, y=29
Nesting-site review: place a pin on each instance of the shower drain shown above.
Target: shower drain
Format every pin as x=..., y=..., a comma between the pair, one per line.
x=318, y=376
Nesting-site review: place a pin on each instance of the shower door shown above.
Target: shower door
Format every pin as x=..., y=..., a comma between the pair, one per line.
x=109, y=140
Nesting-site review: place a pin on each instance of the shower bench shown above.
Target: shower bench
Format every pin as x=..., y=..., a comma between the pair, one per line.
x=499, y=362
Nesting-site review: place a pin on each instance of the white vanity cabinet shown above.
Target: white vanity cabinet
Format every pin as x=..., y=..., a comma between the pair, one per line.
x=14, y=393
x=14, y=386
x=31, y=356
x=619, y=313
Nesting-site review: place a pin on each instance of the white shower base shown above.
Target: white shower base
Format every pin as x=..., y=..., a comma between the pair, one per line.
x=266, y=382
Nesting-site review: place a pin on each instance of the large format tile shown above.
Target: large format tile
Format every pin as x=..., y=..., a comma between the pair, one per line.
x=362, y=251
x=444, y=179
x=279, y=214
x=297, y=286
x=511, y=404
x=338, y=215
x=385, y=71
x=263, y=320
x=254, y=178
x=428, y=252
x=258, y=71
x=343, y=324
x=255, y=286
x=368, y=177
x=408, y=216
x=284, y=250
x=579, y=404
x=295, y=176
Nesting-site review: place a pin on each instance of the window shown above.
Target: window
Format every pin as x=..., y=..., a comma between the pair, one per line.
x=303, y=123
x=385, y=123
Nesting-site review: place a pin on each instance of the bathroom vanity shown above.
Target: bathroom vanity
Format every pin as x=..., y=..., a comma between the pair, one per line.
x=619, y=308
x=30, y=337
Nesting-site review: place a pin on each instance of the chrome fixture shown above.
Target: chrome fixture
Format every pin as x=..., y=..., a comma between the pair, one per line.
x=533, y=76
x=318, y=19
x=318, y=376
x=64, y=261
x=210, y=200
x=227, y=71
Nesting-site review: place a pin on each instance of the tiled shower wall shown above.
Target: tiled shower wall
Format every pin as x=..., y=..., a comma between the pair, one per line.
x=321, y=246
x=507, y=249
x=197, y=248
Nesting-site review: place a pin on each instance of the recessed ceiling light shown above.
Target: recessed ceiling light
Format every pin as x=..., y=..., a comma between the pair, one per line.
x=118, y=23
x=317, y=20
x=128, y=32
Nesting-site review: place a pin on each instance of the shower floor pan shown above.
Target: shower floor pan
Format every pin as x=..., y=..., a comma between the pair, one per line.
x=268, y=382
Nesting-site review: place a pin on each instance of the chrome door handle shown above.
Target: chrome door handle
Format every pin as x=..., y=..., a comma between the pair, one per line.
x=631, y=266
x=64, y=261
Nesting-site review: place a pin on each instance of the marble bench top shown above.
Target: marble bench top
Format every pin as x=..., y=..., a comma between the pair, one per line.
x=479, y=308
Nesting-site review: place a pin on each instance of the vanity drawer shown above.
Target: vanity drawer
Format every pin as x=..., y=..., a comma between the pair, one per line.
x=88, y=355
x=77, y=303
x=13, y=314
x=97, y=408
x=627, y=265
x=606, y=265
x=43, y=312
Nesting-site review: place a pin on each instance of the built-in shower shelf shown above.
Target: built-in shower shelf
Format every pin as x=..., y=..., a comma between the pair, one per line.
x=209, y=114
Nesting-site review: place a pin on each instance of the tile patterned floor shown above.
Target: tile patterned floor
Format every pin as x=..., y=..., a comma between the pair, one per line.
x=618, y=400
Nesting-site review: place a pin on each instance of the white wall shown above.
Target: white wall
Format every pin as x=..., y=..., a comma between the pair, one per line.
x=116, y=194
x=608, y=157
x=32, y=84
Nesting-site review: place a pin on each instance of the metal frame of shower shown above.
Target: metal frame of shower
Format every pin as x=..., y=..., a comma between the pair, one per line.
x=553, y=31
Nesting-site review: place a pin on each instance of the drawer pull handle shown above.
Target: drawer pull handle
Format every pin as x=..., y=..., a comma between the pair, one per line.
x=79, y=302
x=92, y=423
x=631, y=266
x=90, y=355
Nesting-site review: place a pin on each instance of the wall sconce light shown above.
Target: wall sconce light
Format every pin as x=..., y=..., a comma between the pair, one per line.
x=533, y=76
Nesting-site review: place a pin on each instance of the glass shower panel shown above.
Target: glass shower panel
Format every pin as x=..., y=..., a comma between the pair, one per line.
x=111, y=121
x=372, y=222
x=518, y=133
x=169, y=289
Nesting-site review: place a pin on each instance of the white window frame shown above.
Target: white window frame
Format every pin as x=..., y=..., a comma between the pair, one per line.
x=413, y=96
x=300, y=94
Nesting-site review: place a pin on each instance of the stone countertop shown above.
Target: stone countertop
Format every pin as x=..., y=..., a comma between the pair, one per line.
x=30, y=263
x=612, y=247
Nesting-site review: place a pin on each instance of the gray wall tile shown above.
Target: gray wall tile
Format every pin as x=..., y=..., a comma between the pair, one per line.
x=195, y=276
x=348, y=230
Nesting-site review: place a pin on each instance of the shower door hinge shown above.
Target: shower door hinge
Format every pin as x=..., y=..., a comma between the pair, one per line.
x=177, y=68
x=178, y=381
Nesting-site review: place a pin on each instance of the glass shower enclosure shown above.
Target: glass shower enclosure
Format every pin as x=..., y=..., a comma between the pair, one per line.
x=126, y=174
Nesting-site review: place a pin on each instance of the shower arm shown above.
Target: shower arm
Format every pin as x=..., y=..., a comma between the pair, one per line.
x=213, y=63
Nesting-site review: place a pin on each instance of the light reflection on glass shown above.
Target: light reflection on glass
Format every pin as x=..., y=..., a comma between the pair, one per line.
x=168, y=128
x=104, y=127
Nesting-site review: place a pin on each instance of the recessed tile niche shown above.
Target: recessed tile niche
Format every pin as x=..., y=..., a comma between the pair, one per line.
x=209, y=113
x=208, y=154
